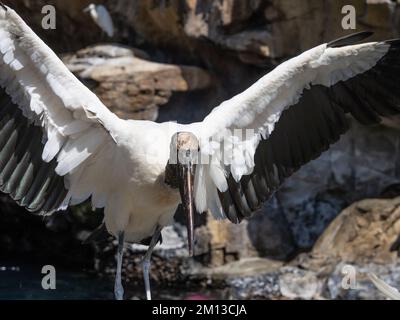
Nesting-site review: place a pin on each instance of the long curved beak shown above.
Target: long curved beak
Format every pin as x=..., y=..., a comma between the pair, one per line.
x=186, y=182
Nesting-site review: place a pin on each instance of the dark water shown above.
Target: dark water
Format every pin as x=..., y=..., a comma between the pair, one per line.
x=24, y=282
x=21, y=282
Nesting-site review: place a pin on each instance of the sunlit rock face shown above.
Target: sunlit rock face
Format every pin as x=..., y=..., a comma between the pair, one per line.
x=176, y=60
x=131, y=85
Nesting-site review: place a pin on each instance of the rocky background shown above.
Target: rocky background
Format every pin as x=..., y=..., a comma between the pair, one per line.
x=176, y=60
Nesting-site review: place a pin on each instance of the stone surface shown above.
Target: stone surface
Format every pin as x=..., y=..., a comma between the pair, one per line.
x=254, y=30
x=295, y=283
x=130, y=86
x=364, y=289
x=367, y=231
x=228, y=45
x=74, y=28
x=364, y=237
x=362, y=164
x=245, y=267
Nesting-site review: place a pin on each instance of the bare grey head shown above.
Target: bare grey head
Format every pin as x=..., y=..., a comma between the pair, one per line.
x=180, y=173
x=184, y=148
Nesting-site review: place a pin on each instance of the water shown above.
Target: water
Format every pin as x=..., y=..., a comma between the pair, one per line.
x=24, y=282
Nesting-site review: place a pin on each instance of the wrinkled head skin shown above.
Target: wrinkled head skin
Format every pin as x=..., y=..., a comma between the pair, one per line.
x=184, y=148
x=180, y=172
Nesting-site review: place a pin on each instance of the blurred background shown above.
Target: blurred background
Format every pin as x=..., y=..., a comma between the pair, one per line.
x=176, y=60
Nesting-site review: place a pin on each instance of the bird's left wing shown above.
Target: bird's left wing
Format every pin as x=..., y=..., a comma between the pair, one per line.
x=252, y=142
x=56, y=137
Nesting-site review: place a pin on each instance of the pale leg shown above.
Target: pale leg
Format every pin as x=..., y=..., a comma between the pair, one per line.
x=146, y=262
x=118, y=288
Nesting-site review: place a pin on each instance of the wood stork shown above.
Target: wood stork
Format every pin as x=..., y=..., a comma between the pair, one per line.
x=101, y=17
x=59, y=145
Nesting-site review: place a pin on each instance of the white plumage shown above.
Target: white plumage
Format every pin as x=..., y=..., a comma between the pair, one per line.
x=260, y=106
x=290, y=116
x=102, y=18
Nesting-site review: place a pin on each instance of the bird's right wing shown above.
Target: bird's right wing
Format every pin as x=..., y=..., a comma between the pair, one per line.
x=258, y=138
x=56, y=137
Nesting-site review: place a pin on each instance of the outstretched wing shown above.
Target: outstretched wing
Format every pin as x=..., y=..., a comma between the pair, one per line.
x=53, y=130
x=289, y=117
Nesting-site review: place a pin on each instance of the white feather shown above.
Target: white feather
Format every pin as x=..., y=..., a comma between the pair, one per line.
x=78, y=150
x=52, y=97
x=261, y=105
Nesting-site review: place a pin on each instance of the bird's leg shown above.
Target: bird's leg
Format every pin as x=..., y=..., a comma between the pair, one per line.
x=118, y=288
x=146, y=261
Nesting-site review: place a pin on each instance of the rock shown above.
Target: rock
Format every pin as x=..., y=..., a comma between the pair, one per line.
x=245, y=267
x=130, y=86
x=364, y=289
x=184, y=24
x=364, y=238
x=291, y=21
x=270, y=233
x=102, y=51
x=377, y=15
x=262, y=286
x=77, y=28
x=362, y=164
x=266, y=279
x=366, y=232
x=258, y=29
x=254, y=31
x=295, y=283
x=228, y=242
x=228, y=45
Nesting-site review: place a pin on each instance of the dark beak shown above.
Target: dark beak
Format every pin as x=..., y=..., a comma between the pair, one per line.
x=186, y=189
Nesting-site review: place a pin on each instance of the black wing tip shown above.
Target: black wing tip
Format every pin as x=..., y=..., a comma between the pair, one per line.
x=3, y=6
x=351, y=39
x=393, y=42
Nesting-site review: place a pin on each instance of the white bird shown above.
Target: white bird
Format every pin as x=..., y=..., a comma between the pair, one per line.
x=101, y=17
x=59, y=145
